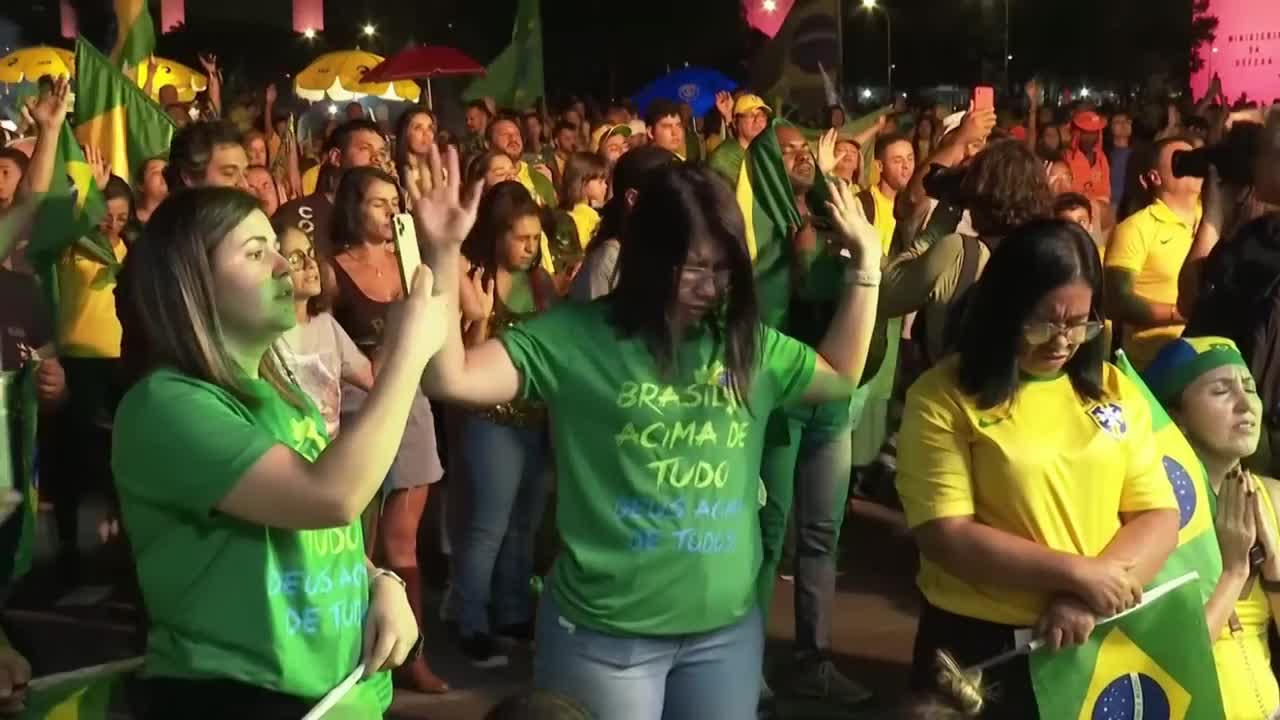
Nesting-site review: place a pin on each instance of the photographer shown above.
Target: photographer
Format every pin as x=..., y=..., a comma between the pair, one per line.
x=1146, y=253
x=1004, y=187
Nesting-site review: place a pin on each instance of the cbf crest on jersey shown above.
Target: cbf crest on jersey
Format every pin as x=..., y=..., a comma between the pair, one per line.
x=1110, y=417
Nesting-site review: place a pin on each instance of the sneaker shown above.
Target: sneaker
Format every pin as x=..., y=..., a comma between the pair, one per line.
x=820, y=680
x=482, y=652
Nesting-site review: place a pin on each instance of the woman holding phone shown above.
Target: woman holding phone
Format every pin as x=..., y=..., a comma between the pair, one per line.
x=368, y=286
x=259, y=596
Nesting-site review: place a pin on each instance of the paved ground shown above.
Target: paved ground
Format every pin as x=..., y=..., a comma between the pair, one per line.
x=874, y=626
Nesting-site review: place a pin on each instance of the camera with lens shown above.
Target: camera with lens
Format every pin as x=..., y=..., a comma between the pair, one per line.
x=1234, y=157
x=942, y=183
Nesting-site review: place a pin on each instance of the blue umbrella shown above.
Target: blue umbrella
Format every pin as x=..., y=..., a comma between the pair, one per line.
x=694, y=85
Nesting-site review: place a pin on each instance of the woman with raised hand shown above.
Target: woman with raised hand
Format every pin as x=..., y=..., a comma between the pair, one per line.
x=368, y=288
x=657, y=397
x=244, y=519
x=1207, y=388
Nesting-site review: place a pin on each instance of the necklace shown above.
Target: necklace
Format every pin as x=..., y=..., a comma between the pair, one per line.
x=364, y=259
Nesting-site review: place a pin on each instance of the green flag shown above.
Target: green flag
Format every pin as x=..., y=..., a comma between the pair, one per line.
x=68, y=215
x=135, y=33
x=514, y=79
x=115, y=116
x=19, y=409
x=1159, y=658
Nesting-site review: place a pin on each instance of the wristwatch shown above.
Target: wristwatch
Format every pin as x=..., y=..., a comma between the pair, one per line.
x=383, y=572
x=416, y=651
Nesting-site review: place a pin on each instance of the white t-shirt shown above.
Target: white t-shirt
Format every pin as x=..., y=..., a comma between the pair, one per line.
x=320, y=353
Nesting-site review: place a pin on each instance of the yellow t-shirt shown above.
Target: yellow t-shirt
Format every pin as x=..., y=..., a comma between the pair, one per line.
x=885, y=223
x=1047, y=466
x=1243, y=659
x=1152, y=244
x=585, y=219
x=87, y=322
x=310, y=179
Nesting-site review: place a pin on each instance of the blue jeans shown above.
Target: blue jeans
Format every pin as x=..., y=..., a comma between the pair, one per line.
x=714, y=675
x=811, y=475
x=506, y=496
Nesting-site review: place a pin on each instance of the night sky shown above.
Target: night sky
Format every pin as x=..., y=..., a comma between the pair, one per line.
x=612, y=48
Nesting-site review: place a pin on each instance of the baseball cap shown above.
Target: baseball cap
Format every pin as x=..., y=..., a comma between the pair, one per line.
x=1089, y=121
x=748, y=102
x=604, y=132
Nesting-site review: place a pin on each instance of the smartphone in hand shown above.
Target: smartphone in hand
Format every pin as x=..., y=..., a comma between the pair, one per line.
x=408, y=255
x=984, y=97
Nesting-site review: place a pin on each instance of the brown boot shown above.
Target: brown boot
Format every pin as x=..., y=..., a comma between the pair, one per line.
x=415, y=674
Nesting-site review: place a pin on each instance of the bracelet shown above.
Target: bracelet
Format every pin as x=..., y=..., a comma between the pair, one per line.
x=861, y=278
x=383, y=572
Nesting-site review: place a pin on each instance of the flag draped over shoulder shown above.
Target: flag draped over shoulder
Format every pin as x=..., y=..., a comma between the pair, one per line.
x=116, y=117
x=770, y=215
x=515, y=78
x=1157, y=662
x=135, y=33
x=68, y=215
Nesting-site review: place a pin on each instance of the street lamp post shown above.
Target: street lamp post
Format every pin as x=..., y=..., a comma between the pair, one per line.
x=870, y=5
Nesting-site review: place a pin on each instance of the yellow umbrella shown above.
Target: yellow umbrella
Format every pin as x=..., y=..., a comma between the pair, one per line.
x=186, y=81
x=338, y=75
x=31, y=64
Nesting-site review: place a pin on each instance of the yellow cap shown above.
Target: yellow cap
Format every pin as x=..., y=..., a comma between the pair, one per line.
x=606, y=131
x=748, y=102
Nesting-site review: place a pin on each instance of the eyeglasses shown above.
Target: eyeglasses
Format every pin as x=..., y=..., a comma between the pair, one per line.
x=1041, y=333
x=696, y=275
x=298, y=259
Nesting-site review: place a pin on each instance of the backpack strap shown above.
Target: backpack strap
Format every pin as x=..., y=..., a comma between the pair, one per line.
x=868, y=205
x=968, y=265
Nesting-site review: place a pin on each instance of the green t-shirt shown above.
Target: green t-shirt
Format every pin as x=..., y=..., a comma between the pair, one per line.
x=274, y=608
x=658, y=478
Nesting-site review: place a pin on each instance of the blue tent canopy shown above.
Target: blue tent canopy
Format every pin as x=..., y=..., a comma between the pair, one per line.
x=694, y=85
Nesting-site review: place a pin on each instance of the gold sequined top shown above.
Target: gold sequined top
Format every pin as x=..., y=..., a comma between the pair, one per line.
x=519, y=412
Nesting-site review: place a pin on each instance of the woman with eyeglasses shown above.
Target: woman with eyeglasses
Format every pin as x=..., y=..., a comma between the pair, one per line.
x=657, y=397
x=320, y=353
x=1033, y=488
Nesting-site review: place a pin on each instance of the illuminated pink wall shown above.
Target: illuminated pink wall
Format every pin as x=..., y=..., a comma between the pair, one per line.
x=1248, y=49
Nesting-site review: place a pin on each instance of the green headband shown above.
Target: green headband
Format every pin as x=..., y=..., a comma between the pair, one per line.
x=1185, y=359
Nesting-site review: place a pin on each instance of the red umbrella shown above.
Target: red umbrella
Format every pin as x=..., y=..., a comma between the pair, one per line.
x=424, y=62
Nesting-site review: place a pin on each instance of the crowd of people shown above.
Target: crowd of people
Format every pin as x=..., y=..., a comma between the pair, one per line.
x=267, y=400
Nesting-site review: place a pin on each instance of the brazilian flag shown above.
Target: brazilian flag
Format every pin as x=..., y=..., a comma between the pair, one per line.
x=85, y=694
x=68, y=215
x=1156, y=663
x=135, y=33
x=21, y=411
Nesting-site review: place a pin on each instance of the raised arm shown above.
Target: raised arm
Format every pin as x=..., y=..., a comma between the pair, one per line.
x=977, y=125
x=842, y=353
x=282, y=489
x=482, y=375
x=210, y=63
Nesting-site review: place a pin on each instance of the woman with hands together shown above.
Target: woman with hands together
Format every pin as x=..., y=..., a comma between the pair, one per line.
x=1206, y=385
x=1034, y=490
x=251, y=559
x=678, y=344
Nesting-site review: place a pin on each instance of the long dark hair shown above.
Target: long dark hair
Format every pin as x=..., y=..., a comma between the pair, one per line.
x=1031, y=262
x=629, y=173
x=345, y=230
x=499, y=209
x=402, y=136
x=676, y=204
